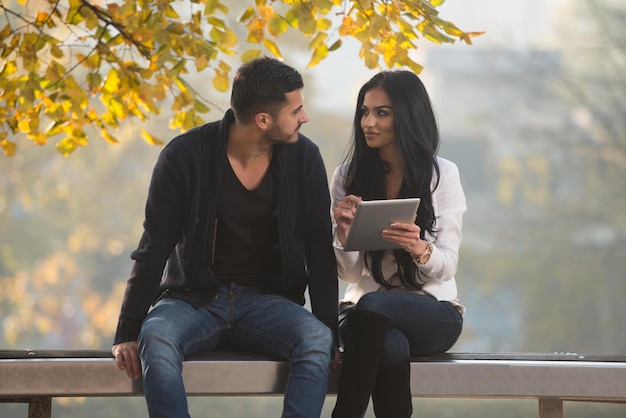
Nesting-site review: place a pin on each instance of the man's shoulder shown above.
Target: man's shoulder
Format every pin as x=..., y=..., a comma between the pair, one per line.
x=190, y=141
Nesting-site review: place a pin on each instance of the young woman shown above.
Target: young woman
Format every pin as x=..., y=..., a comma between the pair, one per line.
x=404, y=300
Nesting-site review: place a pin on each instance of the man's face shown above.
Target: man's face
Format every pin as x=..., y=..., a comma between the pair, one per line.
x=286, y=126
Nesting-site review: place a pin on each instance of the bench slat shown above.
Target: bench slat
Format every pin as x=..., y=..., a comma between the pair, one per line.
x=228, y=355
x=36, y=376
x=452, y=378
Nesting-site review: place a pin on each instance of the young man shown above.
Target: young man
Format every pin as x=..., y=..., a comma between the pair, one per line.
x=237, y=227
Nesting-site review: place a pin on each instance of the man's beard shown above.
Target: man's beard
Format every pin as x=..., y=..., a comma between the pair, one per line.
x=277, y=136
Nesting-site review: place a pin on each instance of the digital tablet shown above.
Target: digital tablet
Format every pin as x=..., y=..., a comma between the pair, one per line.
x=372, y=216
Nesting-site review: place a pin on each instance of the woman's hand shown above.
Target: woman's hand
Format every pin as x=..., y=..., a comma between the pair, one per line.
x=344, y=214
x=406, y=235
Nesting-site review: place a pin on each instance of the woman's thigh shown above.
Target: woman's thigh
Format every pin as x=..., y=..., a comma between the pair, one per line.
x=429, y=325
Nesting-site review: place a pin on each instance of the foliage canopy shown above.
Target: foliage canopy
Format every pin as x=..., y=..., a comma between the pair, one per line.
x=135, y=56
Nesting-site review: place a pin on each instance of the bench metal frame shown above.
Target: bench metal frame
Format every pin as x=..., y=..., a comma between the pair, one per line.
x=38, y=377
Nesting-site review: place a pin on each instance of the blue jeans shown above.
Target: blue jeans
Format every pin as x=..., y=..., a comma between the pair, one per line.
x=420, y=324
x=254, y=321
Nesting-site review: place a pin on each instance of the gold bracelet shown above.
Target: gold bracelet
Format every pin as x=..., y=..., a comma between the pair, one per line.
x=424, y=256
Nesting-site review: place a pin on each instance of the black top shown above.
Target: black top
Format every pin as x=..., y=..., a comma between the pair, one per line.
x=246, y=240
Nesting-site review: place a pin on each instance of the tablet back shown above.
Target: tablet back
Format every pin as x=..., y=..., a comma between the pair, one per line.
x=372, y=216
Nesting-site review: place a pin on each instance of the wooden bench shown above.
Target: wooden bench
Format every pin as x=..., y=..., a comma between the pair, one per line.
x=36, y=377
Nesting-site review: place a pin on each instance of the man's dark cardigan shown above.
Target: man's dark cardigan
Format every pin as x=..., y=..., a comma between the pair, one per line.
x=175, y=248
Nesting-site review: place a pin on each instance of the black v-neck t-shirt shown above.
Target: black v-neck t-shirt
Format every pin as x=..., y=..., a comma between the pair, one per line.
x=246, y=246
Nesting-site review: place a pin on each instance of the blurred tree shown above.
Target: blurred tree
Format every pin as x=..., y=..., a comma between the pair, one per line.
x=67, y=227
x=595, y=89
x=56, y=55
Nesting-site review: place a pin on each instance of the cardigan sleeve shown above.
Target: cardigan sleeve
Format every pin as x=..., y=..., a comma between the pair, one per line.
x=320, y=260
x=162, y=229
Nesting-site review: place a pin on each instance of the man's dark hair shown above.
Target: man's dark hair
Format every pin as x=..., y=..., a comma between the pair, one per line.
x=260, y=86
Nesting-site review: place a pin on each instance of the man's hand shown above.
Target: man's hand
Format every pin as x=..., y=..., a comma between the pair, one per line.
x=127, y=358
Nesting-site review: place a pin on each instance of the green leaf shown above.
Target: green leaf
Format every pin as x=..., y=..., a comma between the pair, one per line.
x=336, y=45
x=94, y=80
x=201, y=107
x=277, y=25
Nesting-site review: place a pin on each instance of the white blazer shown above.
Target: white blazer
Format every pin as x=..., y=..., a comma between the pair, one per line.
x=438, y=273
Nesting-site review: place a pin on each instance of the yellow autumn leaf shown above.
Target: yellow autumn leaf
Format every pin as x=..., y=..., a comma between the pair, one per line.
x=348, y=26
x=318, y=40
x=230, y=39
x=224, y=66
x=247, y=14
x=214, y=6
x=138, y=67
x=271, y=45
x=38, y=138
x=221, y=81
x=170, y=12
x=256, y=31
x=54, y=71
x=371, y=60
x=66, y=146
x=415, y=67
x=116, y=108
x=108, y=137
x=319, y=54
x=9, y=147
x=323, y=23
x=111, y=82
x=266, y=12
x=201, y=62
x=24, y=126
x=152, y=140
x=250, y=55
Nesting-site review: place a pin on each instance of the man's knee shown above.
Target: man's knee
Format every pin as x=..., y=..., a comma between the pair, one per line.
x=317, y=338
x=155, y=341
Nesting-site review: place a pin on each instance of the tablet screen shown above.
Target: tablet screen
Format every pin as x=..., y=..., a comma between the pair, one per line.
x=372, y=216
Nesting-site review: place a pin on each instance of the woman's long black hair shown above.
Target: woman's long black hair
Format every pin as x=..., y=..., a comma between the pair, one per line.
x=417, y=138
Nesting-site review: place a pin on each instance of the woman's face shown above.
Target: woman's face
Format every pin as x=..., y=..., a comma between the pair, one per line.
x=377, y=120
